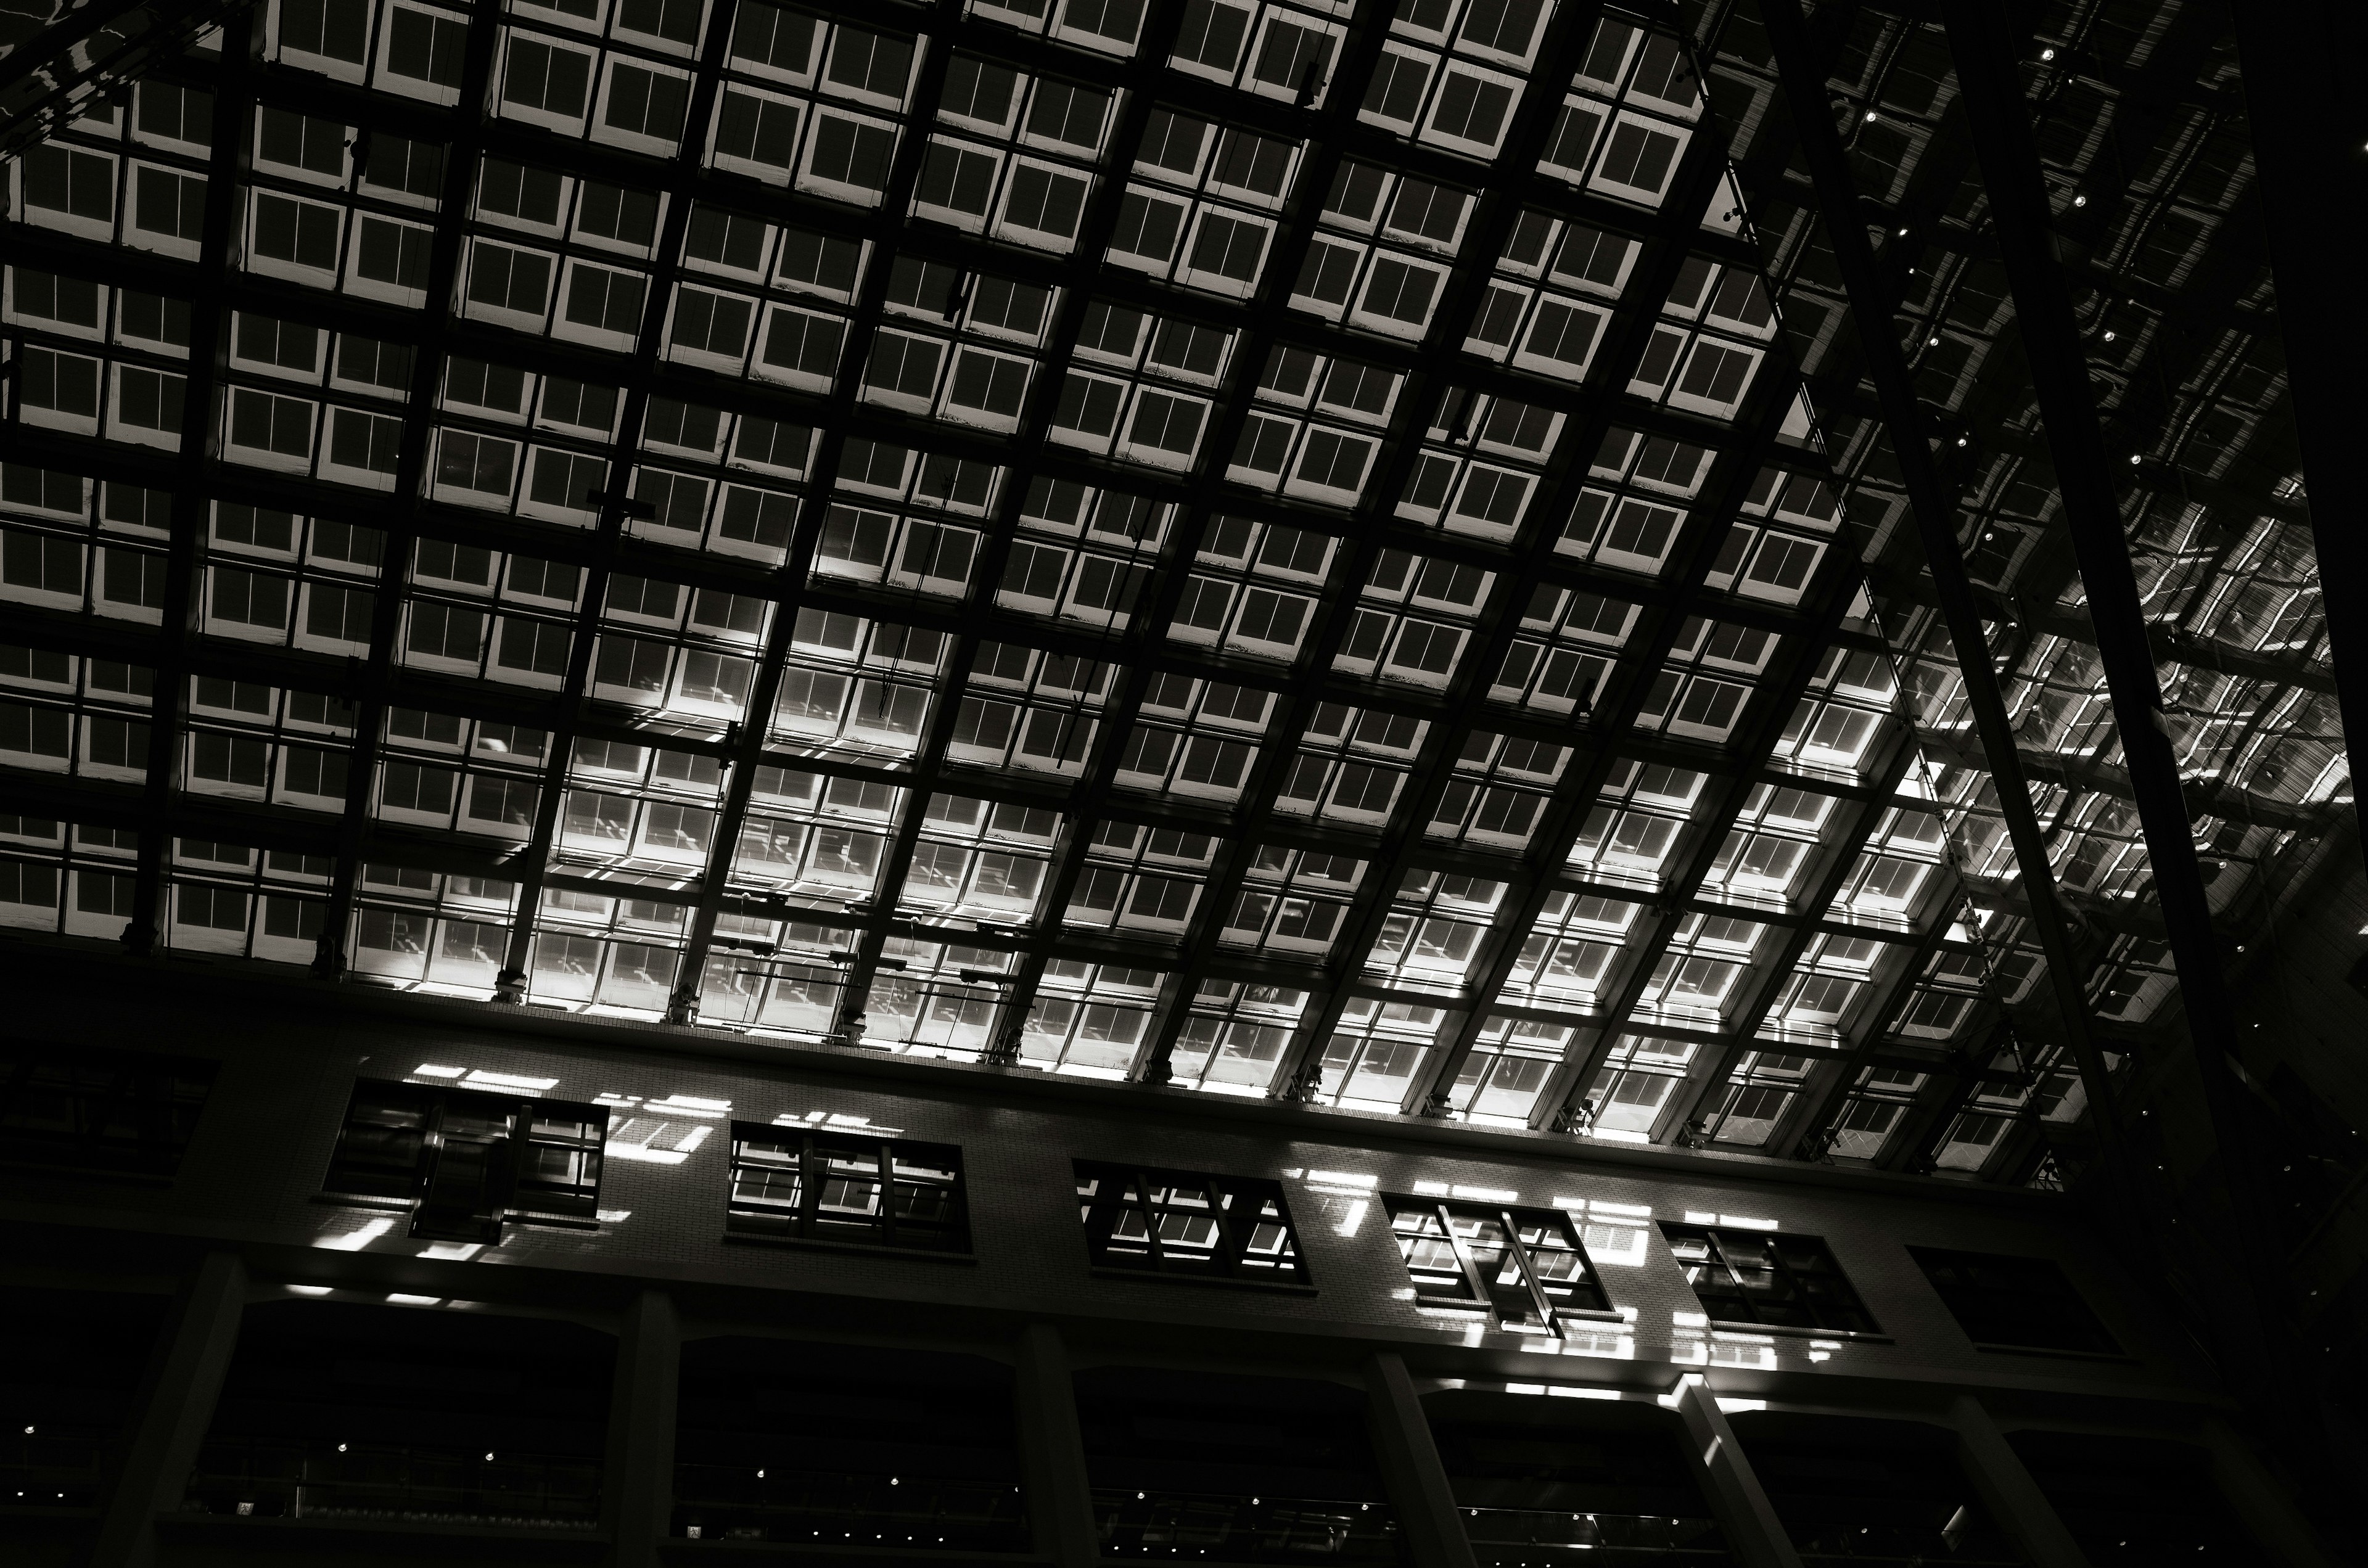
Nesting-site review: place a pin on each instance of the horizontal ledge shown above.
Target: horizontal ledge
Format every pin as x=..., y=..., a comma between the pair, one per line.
x=1849, y=1336
x=856, y=1249
x=2117, y=1358
x=1161, y=1277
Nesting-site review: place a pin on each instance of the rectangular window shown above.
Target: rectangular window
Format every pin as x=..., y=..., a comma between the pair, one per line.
x=795, y=1183
x=771, y=36
x=762, y=130
x=646, y=103
x=426, y=48
x=2024, y=1302
x=334, y=30
x=849, y=153
x=300, y=232
x=1522, y=1268
x=1188, y=1226
x=465, y=1162
x=65, y=383
x=369, y=441
x=61, y=179
x=1759, y=1277
x=389, y=252
x=606, y=301
x=542, y=77
x=509, y=279
x=396, y=162
x=1044, y=202
x=166, y=203
x=99, y=1112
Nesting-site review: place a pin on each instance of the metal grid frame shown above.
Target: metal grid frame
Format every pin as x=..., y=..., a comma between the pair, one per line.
x=1833, y=999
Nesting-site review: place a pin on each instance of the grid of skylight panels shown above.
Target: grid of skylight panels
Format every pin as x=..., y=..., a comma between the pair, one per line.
x=1272, y=549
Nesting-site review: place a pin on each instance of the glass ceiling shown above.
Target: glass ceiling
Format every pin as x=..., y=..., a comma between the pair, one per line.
x=1246, y=545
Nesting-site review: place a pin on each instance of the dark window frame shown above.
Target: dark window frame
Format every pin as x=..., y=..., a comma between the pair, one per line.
x=1484, y=1286
x=2086, y=1331
x=1110, y=1193
x=161, y=1096
x=897, y=1163
x=1810, y=1290
x=465, y=1163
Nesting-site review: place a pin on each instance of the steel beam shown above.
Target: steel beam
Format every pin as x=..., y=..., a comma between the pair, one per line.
x=534, y=858
x=90, y=53
x=192, y=474
x=1911, y=438
x=412, y=467
x=1985, y=62
x=2300, y=64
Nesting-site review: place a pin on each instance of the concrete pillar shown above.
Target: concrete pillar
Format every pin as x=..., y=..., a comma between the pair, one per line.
x=637, y=1482
x=1411, y=1469
x=172, y=1421
x=2257, y=1498
x=1052, y=1452
x=1753, y=1532
x=2016, y=1504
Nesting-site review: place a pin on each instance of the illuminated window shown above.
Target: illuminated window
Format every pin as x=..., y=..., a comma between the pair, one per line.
x=795, y=1184
x=1522, y=1268
x=465, y=1162
x=1188, y=1226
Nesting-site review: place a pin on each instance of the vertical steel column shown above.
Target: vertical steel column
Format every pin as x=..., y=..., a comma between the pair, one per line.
x=173, y=1419
x=1053, y=1451
x=1410, y=1468
x=2015, y=1502
x=637, y=1482
x=1745, y=1515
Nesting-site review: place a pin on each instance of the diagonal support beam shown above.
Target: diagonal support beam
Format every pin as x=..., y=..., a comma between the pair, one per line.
x=2300, y=62
x=1987, y=68
x=90, y=52
x=1911, y=435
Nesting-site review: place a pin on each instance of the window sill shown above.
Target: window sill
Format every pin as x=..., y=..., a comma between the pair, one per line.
x=411, y=1206
x=1847, y=1335
x=2113, y=1357
x=854, y=1249
x=1463, y=1314
x=1153, y=1275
